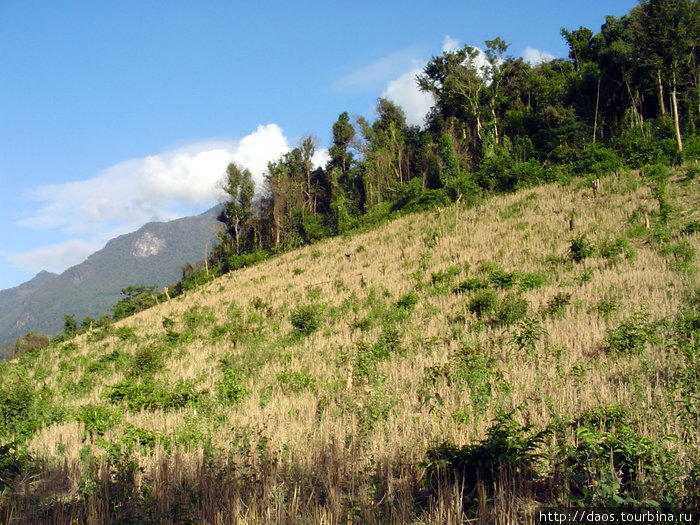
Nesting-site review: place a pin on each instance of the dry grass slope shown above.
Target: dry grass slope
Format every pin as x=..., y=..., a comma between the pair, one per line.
x=318, y=380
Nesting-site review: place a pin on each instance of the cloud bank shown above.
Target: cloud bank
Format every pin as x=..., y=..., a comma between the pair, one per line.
x=535, y=56
x=125, y=196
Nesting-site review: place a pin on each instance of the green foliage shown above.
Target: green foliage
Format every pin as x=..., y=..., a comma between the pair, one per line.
x=556, y=305
x=580, y=248
x=483, y=302
x=306, y=319
x=230, y=387
x=612, y=465
x=509, y=449
x=149, y=394
x=295, y=381
x=510, y=309
x=146, y=361
x=406, y=302
x=28, y=343
x=473, y=368
x=471, y=284
x=681, y=255
x=17, y=398
x=136, y=299
x=615, y=250
x=13, y=461
x=530, y=281
x=691, y=228
x=98, y=418
x=631, y=336
x=529, y=334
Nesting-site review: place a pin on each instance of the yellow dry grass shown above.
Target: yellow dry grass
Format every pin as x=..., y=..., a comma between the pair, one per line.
x=392, y=418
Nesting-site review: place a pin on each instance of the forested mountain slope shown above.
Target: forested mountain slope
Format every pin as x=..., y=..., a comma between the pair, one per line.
x=151, y=256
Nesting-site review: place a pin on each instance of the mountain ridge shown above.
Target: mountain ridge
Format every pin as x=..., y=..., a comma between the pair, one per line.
x=152, y=255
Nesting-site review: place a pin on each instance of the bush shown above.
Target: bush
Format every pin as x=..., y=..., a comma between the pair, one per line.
x=306, y=319
x=295, y=381
x=470, y=284
x=230, y=387
x=509, y=450
x=530, y=281
x=631, y=336
x=580, y=248
x=612, y=465
x=146, y=361
x=97, y=418
x=17, y=398
x=510, y=310
x=556, y=306
x=483, y=302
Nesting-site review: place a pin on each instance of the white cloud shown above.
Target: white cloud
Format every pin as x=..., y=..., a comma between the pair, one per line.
x=320, y=158
x=157, y=187
x=125, y=196
x=535, y=56
x=375, y=74
x=450, y=44
x=404, y=92
x=56, y=257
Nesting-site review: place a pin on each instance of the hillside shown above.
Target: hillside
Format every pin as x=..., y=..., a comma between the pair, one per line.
x=342, y=382
x=152, y=255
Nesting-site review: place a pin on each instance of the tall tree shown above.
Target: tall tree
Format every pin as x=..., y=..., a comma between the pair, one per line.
x=666, y=33
x=238, y=185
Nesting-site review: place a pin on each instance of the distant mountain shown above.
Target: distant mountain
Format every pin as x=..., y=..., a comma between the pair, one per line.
x=152, y=255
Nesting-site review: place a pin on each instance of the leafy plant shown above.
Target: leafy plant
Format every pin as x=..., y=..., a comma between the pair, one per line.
x=510, y=310
x=230, y=387
x=483, y=302
x=631, y=336
x=306, y=319
x=97, y=419
x=580, y=248
x=509, y=449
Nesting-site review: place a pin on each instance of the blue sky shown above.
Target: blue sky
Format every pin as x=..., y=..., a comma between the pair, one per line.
x=116, y=113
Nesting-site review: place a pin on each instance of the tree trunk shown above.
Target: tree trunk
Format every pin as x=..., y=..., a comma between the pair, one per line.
x=661, y=92
x=595, y=119
x=676, y=119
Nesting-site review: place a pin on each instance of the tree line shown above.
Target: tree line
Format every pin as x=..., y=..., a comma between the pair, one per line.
x=626, y=96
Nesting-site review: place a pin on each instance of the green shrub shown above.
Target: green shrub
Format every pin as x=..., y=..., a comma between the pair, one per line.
x=580, y=248
x=612, y=465
x=295, y=381
x=529, y=334
x=148, y=394
x=407, y=302
x=483, y=302
x=631, y=336
x=17, y=397
x=615, y=250
x=556, y=306
x=475, y=369
x=502, y=279
x=692, y=228
x=530, y=281
x=682, y=255
x=471, y=284
x=97, y=419
x=306, y=319
x=510, y=310
x=509, y=450
x=230, y=387
x=146, y=361
x=13, y=462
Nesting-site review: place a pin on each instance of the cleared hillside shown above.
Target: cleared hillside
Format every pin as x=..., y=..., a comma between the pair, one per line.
x=339, y=382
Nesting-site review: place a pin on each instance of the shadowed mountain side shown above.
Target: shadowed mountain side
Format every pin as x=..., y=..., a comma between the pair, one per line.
x=152, y=255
